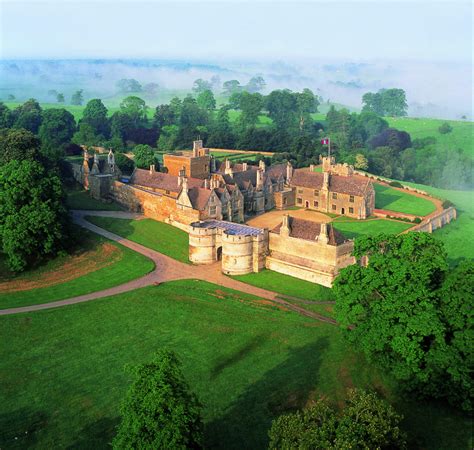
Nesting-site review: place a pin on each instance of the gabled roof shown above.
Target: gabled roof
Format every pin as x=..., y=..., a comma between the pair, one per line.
x=344, y=185
x=199, y=197
x=309, y=230
x=158, y=180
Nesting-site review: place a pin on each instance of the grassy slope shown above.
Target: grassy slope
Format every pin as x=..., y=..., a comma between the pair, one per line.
x=80, y=199
x=461, y=136
x=394, y=200
x=63, y=374
x=158, y=236
x=129, y=266
x=356, y=228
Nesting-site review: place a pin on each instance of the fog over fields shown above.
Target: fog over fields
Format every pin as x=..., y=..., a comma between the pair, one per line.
x=442, y=90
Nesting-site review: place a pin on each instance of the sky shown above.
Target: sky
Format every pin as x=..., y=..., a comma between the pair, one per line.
x=238, y=30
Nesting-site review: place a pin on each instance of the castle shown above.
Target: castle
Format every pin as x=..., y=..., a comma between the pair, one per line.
x=211, y=200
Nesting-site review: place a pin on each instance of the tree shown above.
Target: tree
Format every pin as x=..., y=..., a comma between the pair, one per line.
x=19, y=145
x=395, y=307
x=135, y=108
x=394, y=102
x=231, y=86
x=144, y=156
x=60, y=98
x=221, y=135
x=55, y=132
x=445, y=128
x=390, y=137
x=168, y=138
x=361, y=162
x=192, y=117
x=77, y=98
x=95, y=115
x=206, y=100
x=164, y=116
x=251, y=106
x=372, y=103
x=6, y=116
x=128, y=85
x=234, y=100
x=201, y=85
x=306, y=103
x=281, y=106
x=33, y=218
x=85, y=135
x=124, y=163
x=366, y=422
x=28, y=116
x=159, y=410
x=151, y=88
x=255, y=84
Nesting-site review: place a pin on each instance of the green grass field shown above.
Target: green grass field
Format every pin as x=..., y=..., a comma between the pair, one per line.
x=63, y=375
x=93, y=267
x=461, y=136
x=356, y=228
x=398, y=201
x=158, y=236
x=286, y=285
x=80, y=199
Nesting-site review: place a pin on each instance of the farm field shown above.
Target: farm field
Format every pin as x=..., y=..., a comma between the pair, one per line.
x=248, y=362
x=98, y=264
x=355, y=228
x=159, y=236
x=404, y=202
x=461, y=136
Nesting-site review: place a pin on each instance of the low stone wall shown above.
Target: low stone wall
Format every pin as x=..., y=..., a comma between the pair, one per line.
x=384, y=180
x=437, y=221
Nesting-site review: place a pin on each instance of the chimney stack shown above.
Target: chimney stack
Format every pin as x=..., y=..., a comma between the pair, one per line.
x=261, y=165
x=289, y=172
x=197, y=145
x=181, y=175
x=228, y=169
x=259, y=179
x=152, y=169
x=206, y=183
x=244, y=166
x=311, y=168
x=285, y=226
x=185, y=184
x=326, y=181
x=323, y=234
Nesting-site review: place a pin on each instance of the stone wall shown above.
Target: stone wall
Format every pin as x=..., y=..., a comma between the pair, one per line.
x=437, y=221
x=284, y=199
x=308, y=260
x=196, y=167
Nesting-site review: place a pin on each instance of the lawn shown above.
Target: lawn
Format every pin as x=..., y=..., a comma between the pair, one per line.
x=159, y=236
x=356, y=228
x=63, y=374
x=96, y=265
x=80, y=199
x=399, y=201
x=286, y=285
x=460, y=137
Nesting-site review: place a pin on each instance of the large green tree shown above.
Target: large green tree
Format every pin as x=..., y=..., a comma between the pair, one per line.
x=206, y=100
x=28, y=116
x=95, y=115
x=222, y=134
x=250, y=106
x=281, y=106
x=77, y=98
x=6, y=116
x=201, y=85
x=19, y=145
x=144, y=156
x=33, y=218
x=394, y=309
x=160, y=411
x=255, y=84
x=366, y=422
x=135, y=108
x=55, y=132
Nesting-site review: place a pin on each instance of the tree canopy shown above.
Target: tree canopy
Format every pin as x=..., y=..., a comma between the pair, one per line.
x=386, y=102
x=159, y=410
x=144, y=156
x=395, y=310
x=19, y=145
x=55, y=132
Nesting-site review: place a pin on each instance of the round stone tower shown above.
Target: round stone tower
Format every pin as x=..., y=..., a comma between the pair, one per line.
x=202, y=244
x=237, y=254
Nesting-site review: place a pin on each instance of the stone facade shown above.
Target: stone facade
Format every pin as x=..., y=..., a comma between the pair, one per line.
x=336, y=190
x=311, y=251
x=196, y=164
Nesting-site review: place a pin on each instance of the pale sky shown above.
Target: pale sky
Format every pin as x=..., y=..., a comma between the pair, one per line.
x=262, y=30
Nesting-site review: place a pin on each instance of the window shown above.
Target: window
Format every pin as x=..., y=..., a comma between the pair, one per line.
x=351, y=210
x=212, y=211
x=316, y=193
x=334, y=207
x=300, y=191
x=351, y=199
x=284, y=200
x=299, y=201
x=316, y=204
x=334, y=195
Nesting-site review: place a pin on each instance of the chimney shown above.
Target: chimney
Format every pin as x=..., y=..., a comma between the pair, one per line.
x=259, y=179
x=152, y=169
x=86, y=154
x=197, y=145
x=206, y=183
x=228, y=169
x=285, y=226
x=323, y=234
x=326, y=181
x=181, y=175
x=213, y=164
x=289, y=172
x=244, y=167
x=185, y=184
x=96, y=158
x=261, y=165
x=311, y=168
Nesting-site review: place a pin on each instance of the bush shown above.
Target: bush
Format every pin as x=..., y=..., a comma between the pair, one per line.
x=445, y=128
x=396, y=184
x=124, y=163
x=447, y=204
x=416, y=220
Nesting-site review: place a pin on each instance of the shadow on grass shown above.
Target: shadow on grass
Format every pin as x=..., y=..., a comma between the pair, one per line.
x=18, y=429
x=282, y=389
x=98, y=434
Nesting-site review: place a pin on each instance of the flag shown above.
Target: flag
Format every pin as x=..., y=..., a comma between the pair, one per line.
x=325, y=141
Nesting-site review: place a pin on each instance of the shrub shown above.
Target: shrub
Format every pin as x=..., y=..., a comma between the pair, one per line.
x=447, y=204
x=417, y=220
x=124, y=163
x=396, y=184
x=445, y=128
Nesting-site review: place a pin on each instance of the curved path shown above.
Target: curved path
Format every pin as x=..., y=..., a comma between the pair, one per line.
x=166, y=269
